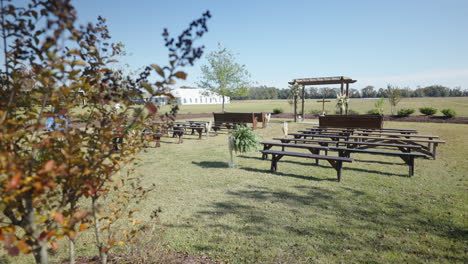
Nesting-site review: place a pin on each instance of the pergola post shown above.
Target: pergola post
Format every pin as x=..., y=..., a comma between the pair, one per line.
x=303, y=96
x=342, y=93
x=295, y=108
x=347, y=96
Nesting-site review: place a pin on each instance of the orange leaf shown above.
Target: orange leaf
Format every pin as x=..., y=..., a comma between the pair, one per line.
x=58, y=217
x=181, y=75
x=72, y=235
x=23, y=247
x=14, y=182
x=83, y=227
x=55, y=245
x=49, y=165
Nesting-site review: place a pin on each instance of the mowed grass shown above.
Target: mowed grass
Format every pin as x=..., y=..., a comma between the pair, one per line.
x=459, y=104
x=300, y=214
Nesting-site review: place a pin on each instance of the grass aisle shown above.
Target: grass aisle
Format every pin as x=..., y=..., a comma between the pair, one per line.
x=301, y=214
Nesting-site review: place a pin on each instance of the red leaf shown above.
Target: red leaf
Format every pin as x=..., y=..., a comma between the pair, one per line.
x=151, y=107
x=13, y=251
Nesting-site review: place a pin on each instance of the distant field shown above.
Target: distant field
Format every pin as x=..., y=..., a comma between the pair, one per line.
x=459, y=104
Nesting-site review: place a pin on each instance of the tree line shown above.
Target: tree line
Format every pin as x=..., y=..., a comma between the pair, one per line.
x=264, y=92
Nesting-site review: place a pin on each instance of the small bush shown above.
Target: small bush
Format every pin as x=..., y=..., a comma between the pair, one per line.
x=315, y=111
x=374, y=111
x=277, y=110
x=448, y=112
x=428, y=110
x=245, y=140
x=403, y=112
x=352, y=112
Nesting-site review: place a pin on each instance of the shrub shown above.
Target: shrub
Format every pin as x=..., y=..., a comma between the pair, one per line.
x=352, y=112
x=374, y=111
x=403, y=112
x=428, y=110
x=244, y=139
x=448, y=112
x=315, y=111
x=277, y=110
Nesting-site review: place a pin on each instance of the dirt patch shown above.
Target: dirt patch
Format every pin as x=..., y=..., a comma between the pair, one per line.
x=157, y=258
x=420, y=118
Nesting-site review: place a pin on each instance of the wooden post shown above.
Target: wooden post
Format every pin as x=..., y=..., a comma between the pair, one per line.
x=342, y=93
x=347, y=95
x=295, y=108
x=303, y=95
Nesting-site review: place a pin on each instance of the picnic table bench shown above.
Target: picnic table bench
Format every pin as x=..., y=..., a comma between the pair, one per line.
x=389, y=130
x=332, y=137
x=318, y=132
x=335, y=162
x=378, y=134
x=407, y=157
x=405, y=153
x=314, y=149
x=429, y=150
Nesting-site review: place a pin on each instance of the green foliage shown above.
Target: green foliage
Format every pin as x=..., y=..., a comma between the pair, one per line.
x=403, y=112
x=278, y=110
x=379, y=106
x=427, y=110
x=245, y=140
x=352, y=112
x=315, y=111
x=373, y=111
x=223, y=75
x=393, y=94
x=448, y=112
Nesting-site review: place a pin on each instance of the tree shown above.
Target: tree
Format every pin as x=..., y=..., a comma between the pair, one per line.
x=368, y=92
x=223, y=75
x=394, y=96
x=45, y=174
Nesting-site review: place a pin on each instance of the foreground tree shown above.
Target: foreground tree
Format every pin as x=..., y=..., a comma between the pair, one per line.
x=45, y=173
x=224, y=76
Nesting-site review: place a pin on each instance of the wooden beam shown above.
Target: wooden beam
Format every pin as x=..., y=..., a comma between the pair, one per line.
x=303, y=95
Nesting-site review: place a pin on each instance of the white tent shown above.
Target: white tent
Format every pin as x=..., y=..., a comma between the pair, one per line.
x=189, y=96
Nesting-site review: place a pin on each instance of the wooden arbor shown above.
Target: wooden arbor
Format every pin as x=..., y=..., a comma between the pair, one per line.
x=321, y=81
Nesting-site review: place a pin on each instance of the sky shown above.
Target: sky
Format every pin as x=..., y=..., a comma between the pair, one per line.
x=404, y=43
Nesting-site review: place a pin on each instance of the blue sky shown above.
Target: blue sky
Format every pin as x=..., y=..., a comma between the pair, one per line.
x=404, y=43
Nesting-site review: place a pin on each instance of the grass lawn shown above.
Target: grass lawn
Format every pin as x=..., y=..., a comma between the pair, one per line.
x=301, y=214
x=459, y=104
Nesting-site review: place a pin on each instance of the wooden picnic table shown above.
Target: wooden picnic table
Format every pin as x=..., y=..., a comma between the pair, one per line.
x=429, y=149
x=332, y=137
x=389, y=130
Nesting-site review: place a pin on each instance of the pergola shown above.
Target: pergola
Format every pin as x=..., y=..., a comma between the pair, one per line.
x=321, y=81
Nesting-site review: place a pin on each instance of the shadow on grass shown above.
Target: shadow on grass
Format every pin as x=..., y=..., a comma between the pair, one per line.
x=297, y=176
x=211, y=164
x=345, y=168
x=356, y=223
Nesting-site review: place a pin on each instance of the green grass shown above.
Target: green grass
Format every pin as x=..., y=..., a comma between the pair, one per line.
x=459, y=104
x=301, y=214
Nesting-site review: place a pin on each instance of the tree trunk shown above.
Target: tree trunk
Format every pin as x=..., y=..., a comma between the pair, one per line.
x=39, y=248
x=71, y=251
x=40, y=254
x=97, y=233
x=223, y=104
